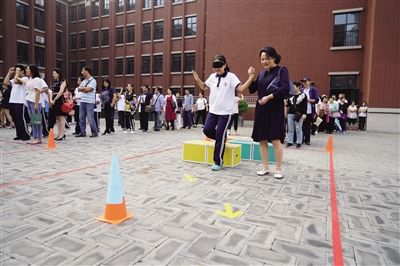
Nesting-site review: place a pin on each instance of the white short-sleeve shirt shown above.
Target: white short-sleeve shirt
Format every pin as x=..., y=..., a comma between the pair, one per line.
x=43, y=96
x=31, y=86
x=18, y=92
x=201, y=103
x=222, y=93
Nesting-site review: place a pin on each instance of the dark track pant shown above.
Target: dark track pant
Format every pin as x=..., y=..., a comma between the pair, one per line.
x=216, y=127
x=21, y=119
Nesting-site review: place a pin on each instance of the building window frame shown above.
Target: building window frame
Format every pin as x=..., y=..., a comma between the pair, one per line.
x=105, y=8
x=72, y=18
x=142, y=70
x=102, y=61
x=158, y=3
x=127, y=10
x=80, y=44
x=82, y=14
x=118, y=34
x=95, y=5
x=191, y=24
x=352, y=80
x=180, y=62
x=173, y=30
x=189, y=71
x=103, y=43
x=19, y=53
x=146, y=4
x=41, y=16
x=144, y=31
x=127, y=40
x=156, y=69
x=343, y=37
x=25, y=17
x=96, y=68
x=118, y=6
x=73, y=43
x=157, y=38
x=127, y=70
x=97, y=39
x=117, y=72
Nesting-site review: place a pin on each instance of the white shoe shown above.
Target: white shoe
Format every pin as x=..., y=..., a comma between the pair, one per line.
x=263, y=172
x=132, y=132
x=229, y=132
x=278, y=175
x=124, y=131
x=236, y=132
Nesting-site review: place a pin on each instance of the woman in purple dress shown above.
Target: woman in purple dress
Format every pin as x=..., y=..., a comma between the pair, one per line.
x=272, y=85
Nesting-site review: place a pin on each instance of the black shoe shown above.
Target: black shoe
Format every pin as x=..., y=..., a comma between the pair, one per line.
x=289, y=145
x=105, y=133
x=25, y=139
x=308, y=143
x=298, y=146
x=17, y=138
x=61, y=138
x=194, y=126
x=80, y=136
x=156, y=129
x=93, y=135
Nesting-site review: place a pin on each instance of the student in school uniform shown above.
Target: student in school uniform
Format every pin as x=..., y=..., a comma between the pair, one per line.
x=222, y=85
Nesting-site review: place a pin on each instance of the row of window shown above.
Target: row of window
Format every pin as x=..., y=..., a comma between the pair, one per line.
x=39, y=15
x=23, y=54
x=103, y=7
x=149, y=64
x=101, y=37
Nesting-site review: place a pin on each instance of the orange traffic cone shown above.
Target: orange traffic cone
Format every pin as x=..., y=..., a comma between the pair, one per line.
x=50, y=142
x=115, y=211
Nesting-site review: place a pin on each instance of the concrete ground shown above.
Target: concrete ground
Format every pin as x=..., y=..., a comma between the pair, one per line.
x=50, y=200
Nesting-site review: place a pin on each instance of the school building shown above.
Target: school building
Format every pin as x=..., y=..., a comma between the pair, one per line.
x=344, y=46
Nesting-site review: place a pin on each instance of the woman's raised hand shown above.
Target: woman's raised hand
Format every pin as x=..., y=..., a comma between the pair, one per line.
x=252, y=72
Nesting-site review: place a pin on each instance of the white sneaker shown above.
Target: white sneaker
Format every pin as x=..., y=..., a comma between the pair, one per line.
x=132, y=132
x=263, y=172
x=229, y=132
x=236, y=133
x=124, y=131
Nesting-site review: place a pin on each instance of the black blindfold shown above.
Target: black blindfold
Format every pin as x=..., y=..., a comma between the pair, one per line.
x=217, y=64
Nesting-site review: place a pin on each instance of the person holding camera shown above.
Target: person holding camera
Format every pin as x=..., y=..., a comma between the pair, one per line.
x=297, y=112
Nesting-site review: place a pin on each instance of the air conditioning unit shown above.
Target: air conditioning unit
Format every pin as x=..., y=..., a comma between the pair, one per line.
x=39, y=39
x=39, y=2
x=87, y=2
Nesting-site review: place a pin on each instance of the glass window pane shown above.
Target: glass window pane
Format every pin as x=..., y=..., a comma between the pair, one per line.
x=130, y=5
x=82, y=40
x=119, y=35
x=189, y=62
x=82, y=11
x=119, y=66
x=22, y=52
x=73, y=41
x=39, y=19
x=105, y=7
x=145, y=64
x=104, y=37
x=176, y=60
x=146, y=3
x=73, y=68
x=95, y=8
x=353, y=17
x=157, y=63
x=95, y=67
x=340, y=19
x=191, y=26
x=104, y=67
x=130, y=65
x=58, y=42
x=130, y=34
x=158, y=30
x=95, y=38
x=22, y=14
x=146, y=34
x=72, y=13
x=176, y=28
x=58, y=12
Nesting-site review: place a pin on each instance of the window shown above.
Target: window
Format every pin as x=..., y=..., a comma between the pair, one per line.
x=158, y=30
x=72, y=13
x=58, y=42
x=95, y=38
x=82, y=11
x=95, y=8
x=130, y=33
x=39, y=56
x=81, y=65
x=59, y=64
x=146, y=3
x=95, y=67
x=119, y=35
x=176, y=60
x=73, y=41
x=73, y=69
x=344, y=82
x=119, y=7
x=1, y=49
x=177, y=1
x=158, y=2
x=130, y=65
x=105, y=8
x=22, y=52
x=119, y=66
x=158, y=63
x=58, y=12
x=191, y=25
x=104, y=37
x=104, y=67
x=22, y=14
x=345, y=29
x=145, y=64
x=189, y=62
x=146, y=35
x=39, y=19
x=130, y=5
x=176, y=27
x=82, y=40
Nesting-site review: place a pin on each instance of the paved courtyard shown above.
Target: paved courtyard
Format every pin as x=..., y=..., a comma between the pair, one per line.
x=50, y=200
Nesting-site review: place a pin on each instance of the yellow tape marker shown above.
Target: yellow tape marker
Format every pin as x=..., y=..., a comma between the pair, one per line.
x=189, y=178
x=228, y=212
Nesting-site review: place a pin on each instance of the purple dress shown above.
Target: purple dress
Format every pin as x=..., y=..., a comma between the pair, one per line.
x=269, y=119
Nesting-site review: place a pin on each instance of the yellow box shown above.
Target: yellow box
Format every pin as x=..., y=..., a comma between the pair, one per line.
x=195, y=151
x=232, y=155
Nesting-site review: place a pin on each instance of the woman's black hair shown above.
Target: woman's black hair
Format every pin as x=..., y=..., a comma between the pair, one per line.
x=58, y=71
x=297, y=84
x=34, y=71
x=220, y=58
x=271, y=52
x=22, y=67
x=105, y=80
x=86, y=68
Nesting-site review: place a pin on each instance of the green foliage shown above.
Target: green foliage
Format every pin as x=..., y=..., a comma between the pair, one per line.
x=243, y=107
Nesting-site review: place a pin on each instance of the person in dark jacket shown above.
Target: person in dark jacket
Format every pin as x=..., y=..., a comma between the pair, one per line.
x=312, y=100
x=297, y=113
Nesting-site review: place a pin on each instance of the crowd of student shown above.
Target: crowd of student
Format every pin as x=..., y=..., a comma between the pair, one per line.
x=283, y=109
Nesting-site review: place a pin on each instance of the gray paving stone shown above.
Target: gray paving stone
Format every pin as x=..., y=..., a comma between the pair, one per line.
x=93, y=257
x=146, y=236
x=44, y=220
x=13, y=262
x=279, y=207
x=153, y=221
x=268, y=257
x=173, y=231
x=287, y=248
x=237, y=226
x=233, y=242
x=12, y=223
x=27, y=251
x=183, y=218
x=182, y=261
x=369, y=258
x=391, y=254
x=207, y=229
x=21, y=233
x=52, y=232
x=69, y=245
x=359, y=223
x=164, y=253
x=373, y=237
x=56, y=258
x=130, y=255
x=222, y=258
x=347, y=261
x=200, y=248
x=260, y=222
x=262, y=238
x=291, y=233
x=110, y=241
